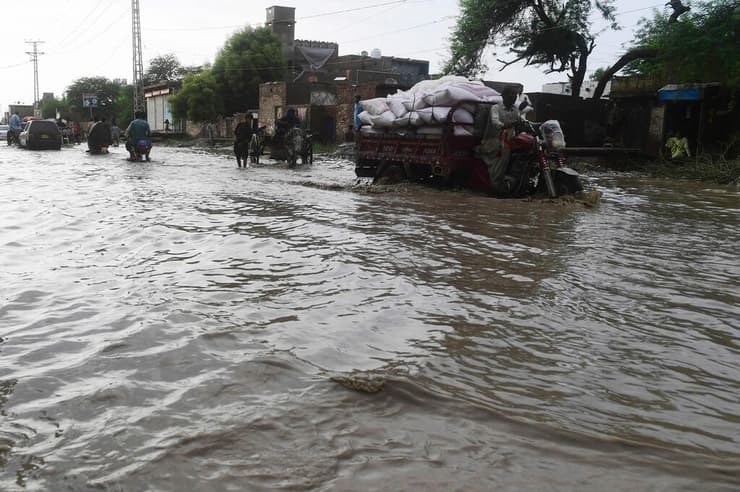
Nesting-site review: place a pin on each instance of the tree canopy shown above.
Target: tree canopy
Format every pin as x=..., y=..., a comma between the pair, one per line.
x=114, y=99
x=163, y=68
x=701, y=46
x=249, y=58
x=198, y=100
x=551, y=33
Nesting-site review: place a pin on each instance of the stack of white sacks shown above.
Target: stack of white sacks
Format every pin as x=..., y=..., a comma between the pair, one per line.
x=425, y=107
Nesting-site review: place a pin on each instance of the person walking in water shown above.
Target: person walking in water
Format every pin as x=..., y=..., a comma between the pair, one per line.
x=242, y=135
x=115, y=134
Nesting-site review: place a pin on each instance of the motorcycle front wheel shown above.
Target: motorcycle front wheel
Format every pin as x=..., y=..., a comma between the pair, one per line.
x=567, y=183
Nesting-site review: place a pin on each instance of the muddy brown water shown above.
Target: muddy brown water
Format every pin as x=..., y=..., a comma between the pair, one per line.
x=187, y=325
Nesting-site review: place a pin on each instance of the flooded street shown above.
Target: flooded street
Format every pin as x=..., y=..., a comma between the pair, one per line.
x=188, y=325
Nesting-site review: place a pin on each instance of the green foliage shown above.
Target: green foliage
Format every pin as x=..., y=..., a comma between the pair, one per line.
x=552, y=33
x=198, y=100
x=124, y=104
x=702, y=46
x=114, y=99
x=163, y=68
x=50, y=107
x=249, y=58
x=597, y=74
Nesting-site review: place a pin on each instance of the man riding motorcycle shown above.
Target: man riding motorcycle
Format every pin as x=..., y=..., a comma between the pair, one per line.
x=495, y=147
x=15, y=126
x=99, y=137
x=138, y=136
x=282, y=127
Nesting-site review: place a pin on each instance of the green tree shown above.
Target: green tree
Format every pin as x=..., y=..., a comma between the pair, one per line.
x=124, y=106
x=163, y=68
x=701, y=47
x=50, y=108
x=597, y=74
x=698, y=45
x=249, y=58
x=108, y=93
x=198, y=100
x=551, y=33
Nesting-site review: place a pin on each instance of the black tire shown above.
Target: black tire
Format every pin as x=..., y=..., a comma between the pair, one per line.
x=389, y=172
x=567, y=184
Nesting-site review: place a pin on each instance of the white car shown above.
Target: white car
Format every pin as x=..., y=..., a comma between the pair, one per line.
x=4, y=131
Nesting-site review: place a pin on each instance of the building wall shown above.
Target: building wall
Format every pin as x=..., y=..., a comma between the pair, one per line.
x=583, y=120
x=273, y=103
x=158, y=110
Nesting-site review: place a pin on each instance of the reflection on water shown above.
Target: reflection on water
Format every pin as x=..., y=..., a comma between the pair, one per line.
x=183, y=325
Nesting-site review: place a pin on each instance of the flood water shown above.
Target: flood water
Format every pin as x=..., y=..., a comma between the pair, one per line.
x=187, y=325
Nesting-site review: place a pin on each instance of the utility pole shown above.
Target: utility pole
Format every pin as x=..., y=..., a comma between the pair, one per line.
x=35, y=59
x=138, y=62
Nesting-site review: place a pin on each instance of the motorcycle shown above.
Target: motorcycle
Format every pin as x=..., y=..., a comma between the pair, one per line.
x=537, y=165
x=298, y=144
x=140, y=150
x=256, y=145
x=13, y=136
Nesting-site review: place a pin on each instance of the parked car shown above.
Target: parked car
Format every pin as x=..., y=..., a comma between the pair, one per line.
x=4, y=131
x=41, y=134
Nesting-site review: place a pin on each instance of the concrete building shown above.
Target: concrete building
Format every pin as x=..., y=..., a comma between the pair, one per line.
x=158, y=106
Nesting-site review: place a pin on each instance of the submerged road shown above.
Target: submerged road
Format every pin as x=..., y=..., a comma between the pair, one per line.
x=187, y=325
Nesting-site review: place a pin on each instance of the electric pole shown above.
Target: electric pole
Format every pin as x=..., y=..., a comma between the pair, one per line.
x=138, y=62
x=35, y=59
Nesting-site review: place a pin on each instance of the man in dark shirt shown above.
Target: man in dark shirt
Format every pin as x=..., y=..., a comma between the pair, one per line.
x=99, y=137
x=242, y=135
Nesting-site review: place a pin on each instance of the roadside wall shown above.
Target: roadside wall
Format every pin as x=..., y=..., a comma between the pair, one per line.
x=584, y=121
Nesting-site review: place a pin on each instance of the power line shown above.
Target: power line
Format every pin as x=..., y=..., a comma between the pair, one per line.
x=399, y=30
x=82, y=22
x=324, y=14
x=351, y=10
x=14, y=65
x=78, y=43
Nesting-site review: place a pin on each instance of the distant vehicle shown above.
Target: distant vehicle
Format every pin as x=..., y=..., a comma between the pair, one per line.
x=4, y=131
x=40, y=134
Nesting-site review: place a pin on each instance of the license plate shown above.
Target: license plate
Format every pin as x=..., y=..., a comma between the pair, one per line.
x=43, y=135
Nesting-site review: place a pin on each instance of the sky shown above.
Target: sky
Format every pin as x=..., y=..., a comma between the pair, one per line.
x=86, y=38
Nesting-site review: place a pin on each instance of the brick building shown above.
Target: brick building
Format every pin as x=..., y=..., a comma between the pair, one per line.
x=321, y=85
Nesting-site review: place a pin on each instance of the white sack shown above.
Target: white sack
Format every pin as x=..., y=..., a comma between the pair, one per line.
x=396, y=105
x=464, y=130
x=384, y=120
x=460, y=92
x=375, y=106
x=415, y=119
x=365, y=118
x=371, y=130
x=426, y=116
x=402, y=121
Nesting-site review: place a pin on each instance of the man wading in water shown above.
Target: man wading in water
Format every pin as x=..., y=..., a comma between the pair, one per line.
x=242, y=135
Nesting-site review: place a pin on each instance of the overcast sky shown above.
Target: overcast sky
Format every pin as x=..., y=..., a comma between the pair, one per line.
x=84, y=38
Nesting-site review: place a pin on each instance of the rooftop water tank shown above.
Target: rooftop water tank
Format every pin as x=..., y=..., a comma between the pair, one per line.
x=375, y=53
